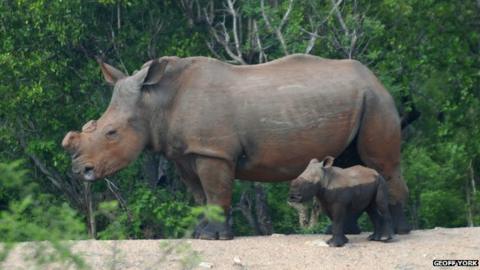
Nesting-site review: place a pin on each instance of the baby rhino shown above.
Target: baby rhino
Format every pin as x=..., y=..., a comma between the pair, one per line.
x=355, y=189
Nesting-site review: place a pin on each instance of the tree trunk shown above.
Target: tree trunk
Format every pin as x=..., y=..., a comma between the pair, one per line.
x=92, y=226
x=315, y=213
x=245, y=206
x=264, y=220
x=150, y=169
x=307, y=216
x=302, y=211
x=471, y=195
x=414, y=209
x=253, y=206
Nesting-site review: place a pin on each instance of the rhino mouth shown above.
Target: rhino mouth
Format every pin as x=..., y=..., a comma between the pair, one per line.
x=295, y=198
x=89, y=173
x=85, y=172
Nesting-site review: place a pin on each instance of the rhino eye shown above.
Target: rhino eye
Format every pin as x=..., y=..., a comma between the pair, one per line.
x=111, y=133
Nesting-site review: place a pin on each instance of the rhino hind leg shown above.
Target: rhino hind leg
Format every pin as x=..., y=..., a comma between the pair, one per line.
x=398, y=190
x=216, y=177
x=379, y=216
x=378, y=145
x=381, y=204
x=400, y=223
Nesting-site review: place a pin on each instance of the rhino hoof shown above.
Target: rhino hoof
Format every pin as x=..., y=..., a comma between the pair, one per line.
x=337, y=241
x=374, y=237
x=209, y=230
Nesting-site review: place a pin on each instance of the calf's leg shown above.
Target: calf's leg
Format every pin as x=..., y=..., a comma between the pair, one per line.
x=338, y=217
x=377, y=222
x=348, y=158
x=350, y=225
x=381, y=203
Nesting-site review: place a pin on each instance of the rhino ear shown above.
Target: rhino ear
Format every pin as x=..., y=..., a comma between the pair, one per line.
x=154, y=72
x=327, y=162
x=111, y=74
x=313, y=161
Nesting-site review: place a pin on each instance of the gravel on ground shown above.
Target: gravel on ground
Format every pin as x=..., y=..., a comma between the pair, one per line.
x=416, y=250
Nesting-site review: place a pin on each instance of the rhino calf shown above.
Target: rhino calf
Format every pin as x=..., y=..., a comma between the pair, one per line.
x=339, y=191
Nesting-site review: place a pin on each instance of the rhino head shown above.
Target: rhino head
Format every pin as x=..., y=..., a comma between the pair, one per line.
x=110, y=143
x=310, y=181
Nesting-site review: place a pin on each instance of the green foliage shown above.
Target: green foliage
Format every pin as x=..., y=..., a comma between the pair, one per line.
x=442, y=208
x=284, y=217
x=29, y=215
x=153, y=214
x=189, y=258
x=51, y=83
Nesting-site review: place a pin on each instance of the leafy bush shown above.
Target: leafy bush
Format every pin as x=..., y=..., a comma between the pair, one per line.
x=51, y=83
x=284, y=217
x=152, y=214
x=441, y=208
x=27, y=214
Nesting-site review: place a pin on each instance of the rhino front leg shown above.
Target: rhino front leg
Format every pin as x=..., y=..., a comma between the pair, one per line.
x=191, y=181
x=350, y=226
x=216, y=177
x=189, y=177
x=338, y=218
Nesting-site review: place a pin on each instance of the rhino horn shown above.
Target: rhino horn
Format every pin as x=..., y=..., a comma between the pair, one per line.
x=71, y=141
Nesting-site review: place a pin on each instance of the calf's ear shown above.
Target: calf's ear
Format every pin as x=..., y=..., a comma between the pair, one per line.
x=328, y=161
x=313, y=161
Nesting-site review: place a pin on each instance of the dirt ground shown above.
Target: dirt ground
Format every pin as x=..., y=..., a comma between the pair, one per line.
x=413, y=251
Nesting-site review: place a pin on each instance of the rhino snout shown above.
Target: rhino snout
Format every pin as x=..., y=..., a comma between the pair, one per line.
x=294, y=197
x=89, y=173
x=84, y=171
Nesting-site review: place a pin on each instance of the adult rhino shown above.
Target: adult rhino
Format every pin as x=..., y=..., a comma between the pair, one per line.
x=219, y=122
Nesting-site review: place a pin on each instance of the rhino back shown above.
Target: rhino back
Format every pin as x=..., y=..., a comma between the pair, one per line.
x=352, y=177
x=270, y=119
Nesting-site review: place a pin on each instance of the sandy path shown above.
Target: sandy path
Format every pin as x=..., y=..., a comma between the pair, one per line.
x=414, y=251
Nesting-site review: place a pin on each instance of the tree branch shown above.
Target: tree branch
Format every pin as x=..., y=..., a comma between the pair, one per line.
x=311, y=41
x=262, y=57
x=70, y=188
x=339, y=16
x=225, y=40
x=235, y=31
x=277, y=30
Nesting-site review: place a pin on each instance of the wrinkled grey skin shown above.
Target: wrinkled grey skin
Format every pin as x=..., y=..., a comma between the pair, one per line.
x=220, y=122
